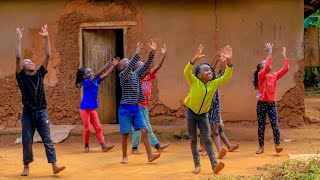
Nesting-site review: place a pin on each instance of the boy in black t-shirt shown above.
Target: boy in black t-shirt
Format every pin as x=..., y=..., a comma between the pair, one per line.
x=34, y=115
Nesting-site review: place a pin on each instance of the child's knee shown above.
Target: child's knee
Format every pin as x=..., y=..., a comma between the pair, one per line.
x=144, y=131
x=87, y=131
x=216, y=132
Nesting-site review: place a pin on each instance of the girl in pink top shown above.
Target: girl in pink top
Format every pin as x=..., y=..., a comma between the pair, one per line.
x=266, y=82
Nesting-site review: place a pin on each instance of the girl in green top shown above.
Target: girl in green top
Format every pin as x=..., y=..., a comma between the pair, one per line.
x=198, y=102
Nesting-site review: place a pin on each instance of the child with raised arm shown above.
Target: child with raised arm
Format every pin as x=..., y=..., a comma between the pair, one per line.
x=219, y=65
x=34, y=116
x=90, y=82
x=266, y=82
x=129, y=111
x=146, y=84
x=198, y=102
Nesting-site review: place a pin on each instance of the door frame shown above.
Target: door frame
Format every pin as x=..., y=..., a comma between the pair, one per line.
x=124, y=25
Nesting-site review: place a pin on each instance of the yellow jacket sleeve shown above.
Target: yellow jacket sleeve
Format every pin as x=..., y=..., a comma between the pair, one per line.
x=188, y=74
x=223, y=79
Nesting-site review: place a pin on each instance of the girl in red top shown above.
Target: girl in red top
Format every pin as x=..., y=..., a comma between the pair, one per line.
x=266, y=82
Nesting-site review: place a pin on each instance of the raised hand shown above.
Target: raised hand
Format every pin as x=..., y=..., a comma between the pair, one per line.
x=164, y=49
x=284, y=53
x=115, y=61
x=153, y=45
x=139, y=47
x=44, y=31
x=268, y=48
x=198, y=55
x=19, y=33
x=226, y=53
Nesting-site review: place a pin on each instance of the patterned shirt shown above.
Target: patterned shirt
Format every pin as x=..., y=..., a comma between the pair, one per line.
x=130, y=81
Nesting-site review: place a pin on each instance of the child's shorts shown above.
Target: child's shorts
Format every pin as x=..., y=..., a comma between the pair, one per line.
x=130, y=115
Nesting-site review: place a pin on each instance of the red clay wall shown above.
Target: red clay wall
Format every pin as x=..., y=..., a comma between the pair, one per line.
x=245, y=25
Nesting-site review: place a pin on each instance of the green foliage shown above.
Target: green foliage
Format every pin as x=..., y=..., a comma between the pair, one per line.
x=293, y=169
x=313, y=20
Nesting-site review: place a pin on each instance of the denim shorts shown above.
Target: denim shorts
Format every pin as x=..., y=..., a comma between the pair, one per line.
x=130, y=115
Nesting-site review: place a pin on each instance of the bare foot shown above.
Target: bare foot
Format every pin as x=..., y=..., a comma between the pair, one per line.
x=86, y=149
x=153, y=157
x=124, y=160
x=135, y=151
x=58, y=169
x=107, y=148
x=222, y=153
x=196, y=170
x=260, y=150
x=232, y=148
x=204, y=153
x=218, y=168
x=25, y=171
x=200, y=149
x=279, y=149
x=162, y=147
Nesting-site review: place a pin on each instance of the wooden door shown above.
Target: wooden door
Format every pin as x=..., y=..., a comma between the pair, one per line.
x=99, y=46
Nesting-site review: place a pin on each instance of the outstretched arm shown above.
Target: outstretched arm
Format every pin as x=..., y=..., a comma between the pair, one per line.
x=285, y=65
x=266, y=68
x=215, y=60
x=226, y=53
x=113, y=65
x=145, y=68
x=188, y=69
x=104, y=68
x=18, y=49
x=135, y=58
x=47, y=52
x=159, y=65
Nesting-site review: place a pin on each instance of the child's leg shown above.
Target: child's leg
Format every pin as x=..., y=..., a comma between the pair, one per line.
x=42, y=125
x=192, y=131
x=200, y=149
x=124, y=142
x=226, y=141
x=153, y=139
x=261, y=114
x=94, y=119
x=136, y=138
x=215, y=129
x=125, y=121
x=205, y=133
x=28, y=129
x=139, y=123
x=147, y=144
x=85, y=117
x=273, y=116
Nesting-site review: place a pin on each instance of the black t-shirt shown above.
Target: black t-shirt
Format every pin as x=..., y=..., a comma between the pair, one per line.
x=32, y=90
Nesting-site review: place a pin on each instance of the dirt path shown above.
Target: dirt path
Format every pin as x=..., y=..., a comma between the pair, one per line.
x=175, y=163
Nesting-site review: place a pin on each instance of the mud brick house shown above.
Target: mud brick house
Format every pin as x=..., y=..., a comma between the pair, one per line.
x=89, y=32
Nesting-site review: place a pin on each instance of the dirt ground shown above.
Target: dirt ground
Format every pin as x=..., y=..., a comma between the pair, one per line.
x=175, y=163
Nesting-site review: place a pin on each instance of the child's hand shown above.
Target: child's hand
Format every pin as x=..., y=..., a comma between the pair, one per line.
x=115, y=61
x=153, y=45
x=284, y=53
x=44, y=32
x=226, y=53
x=199, y=55
x=19, y=33
x=268, y=48
x=139, y=47
x=164, y=49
